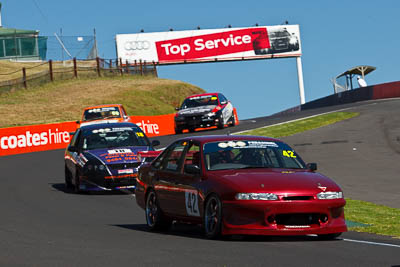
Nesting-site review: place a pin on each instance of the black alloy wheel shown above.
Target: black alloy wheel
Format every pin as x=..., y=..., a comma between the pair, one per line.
x=212, y=217
x=154, y=217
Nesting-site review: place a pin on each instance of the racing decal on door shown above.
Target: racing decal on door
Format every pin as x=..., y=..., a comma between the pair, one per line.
x=227, y=112
x=192, y=203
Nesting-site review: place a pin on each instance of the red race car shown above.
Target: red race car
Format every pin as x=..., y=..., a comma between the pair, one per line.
x=239, y=185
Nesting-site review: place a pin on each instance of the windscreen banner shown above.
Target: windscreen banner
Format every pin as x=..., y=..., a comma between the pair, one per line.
x=210, y=45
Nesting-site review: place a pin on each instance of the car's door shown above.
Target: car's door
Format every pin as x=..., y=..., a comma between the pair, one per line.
x=166, y=168
x=188, y=198
x=227, y=108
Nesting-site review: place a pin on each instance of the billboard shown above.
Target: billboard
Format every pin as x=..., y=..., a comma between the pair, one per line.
x=210, y=45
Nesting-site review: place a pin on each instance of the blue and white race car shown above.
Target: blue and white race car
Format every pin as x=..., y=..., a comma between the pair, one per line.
x=106, y=156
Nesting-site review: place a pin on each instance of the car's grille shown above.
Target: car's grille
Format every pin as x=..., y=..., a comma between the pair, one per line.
x=294, y=198
x=298, y=219
x=121, y=166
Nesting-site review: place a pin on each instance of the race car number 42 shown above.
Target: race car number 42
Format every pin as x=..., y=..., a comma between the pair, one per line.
x=192, y=204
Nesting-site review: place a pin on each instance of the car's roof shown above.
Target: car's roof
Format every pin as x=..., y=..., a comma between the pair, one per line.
x=221, y=138
x=206, y=94
x=108, y=125
x=103, y=106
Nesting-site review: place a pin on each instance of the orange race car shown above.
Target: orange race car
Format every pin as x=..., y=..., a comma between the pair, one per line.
x=104, y=113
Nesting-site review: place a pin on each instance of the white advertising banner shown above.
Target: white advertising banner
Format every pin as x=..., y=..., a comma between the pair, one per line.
x=210, y=45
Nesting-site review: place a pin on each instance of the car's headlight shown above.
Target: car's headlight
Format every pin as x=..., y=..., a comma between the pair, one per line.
x=210, y=114
x=330, y=195
x=256, y=196
x=99, y=167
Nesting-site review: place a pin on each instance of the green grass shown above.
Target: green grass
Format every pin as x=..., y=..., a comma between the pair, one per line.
x=379, y=219
x=299, y=126
x=64, y=100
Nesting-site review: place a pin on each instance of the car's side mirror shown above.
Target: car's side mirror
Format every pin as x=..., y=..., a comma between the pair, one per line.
x=192, y=169
x=176, y=109
x=78, y=122
x=312, y=166
x=72, y=149
x=155, y=143
x=223, y=102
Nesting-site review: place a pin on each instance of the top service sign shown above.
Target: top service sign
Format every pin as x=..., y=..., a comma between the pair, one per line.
x=210, y=45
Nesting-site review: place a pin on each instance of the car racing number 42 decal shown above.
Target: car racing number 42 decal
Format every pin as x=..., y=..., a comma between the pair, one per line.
x=192, y=203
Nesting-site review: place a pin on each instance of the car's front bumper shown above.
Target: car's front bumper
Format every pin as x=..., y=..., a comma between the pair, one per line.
x=104, y=183
x=196, y=122
x=283, y=217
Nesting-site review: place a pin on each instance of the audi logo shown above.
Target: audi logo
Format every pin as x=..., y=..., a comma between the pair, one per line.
x=137, y=45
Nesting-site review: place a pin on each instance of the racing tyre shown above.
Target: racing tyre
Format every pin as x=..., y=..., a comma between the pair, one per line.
x=77, y=184
x=154, y=217
x=232, y=120
x=221, y=123
x=213, y=217
x=329, y=236
x=68, y=181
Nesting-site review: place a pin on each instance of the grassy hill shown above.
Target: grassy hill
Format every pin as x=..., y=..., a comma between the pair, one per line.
x=64, y=100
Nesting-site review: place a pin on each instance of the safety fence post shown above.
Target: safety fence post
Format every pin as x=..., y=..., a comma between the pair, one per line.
x=155, y=69
x=98, y=66
x=141, y=67
x=24, y=77
x=75, y=68
x=120, y=67
x=127, y=66
x=51, y=70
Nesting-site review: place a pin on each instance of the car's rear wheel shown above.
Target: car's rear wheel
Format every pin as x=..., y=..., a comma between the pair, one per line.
x=329, y=236
x=68, y=180
x=212, y=217
x=154, y=217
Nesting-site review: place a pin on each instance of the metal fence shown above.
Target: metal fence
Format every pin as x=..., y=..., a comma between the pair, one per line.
x=64, y=70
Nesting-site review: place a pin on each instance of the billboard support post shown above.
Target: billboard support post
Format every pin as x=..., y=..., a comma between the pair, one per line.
x=301, y=82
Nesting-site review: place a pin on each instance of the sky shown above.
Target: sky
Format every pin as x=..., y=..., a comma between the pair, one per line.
x=335, y=36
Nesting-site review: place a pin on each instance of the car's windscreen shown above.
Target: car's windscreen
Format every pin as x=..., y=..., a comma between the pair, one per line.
x=198, y=101
x=250, y=154
x=101, y=113
x=113, y=138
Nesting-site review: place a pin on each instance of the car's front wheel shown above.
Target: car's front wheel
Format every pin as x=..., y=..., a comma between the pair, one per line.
x=232, y=120
x=212, y=217
x=154, y=217
x=221, y=124
x=68, y=180
x=77, y=183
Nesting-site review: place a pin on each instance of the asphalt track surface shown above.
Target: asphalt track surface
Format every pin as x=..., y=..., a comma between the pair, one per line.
x=43, y=224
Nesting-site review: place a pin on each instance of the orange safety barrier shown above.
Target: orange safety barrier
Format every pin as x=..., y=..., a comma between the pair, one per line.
x=25, y=139
x=33, y=138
